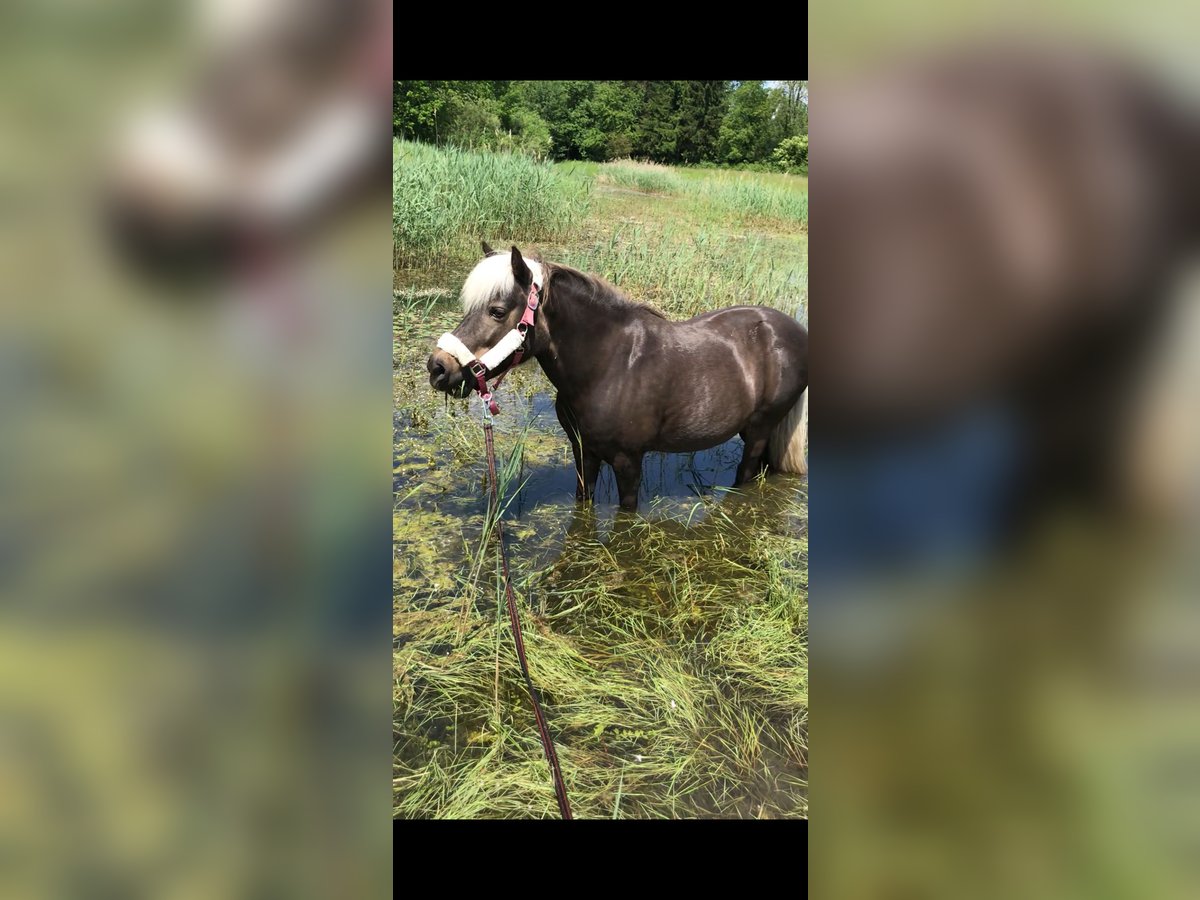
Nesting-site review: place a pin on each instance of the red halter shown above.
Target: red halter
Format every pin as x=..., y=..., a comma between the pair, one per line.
x=480, y=371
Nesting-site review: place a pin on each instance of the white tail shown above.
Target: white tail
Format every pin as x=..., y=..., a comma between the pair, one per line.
x=789, y=441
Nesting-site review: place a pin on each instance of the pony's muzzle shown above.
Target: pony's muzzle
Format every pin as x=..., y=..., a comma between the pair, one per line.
x=446, y=375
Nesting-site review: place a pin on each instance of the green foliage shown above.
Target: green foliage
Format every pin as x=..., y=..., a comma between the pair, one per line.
x=791, y=108
x=416, y=106
x=570, y=113
x=614, y=107
x=524, y=131
x=792, y=154
x=427, y=110
x=473, y=122
x=701, y=108
x=656, y=132
x=746, y=131
x=688, y=122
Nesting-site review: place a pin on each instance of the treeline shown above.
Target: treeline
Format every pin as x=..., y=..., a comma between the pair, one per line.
x=735, y=123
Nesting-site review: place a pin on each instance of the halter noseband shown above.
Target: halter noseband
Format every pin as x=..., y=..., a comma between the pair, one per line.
x=493, y=358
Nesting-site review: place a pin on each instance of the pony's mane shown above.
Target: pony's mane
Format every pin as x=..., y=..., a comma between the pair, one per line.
x=600, y=291
x=493, y=277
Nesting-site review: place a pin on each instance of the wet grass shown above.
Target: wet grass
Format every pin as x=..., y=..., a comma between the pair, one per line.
x=671, y=646
x=672, y=661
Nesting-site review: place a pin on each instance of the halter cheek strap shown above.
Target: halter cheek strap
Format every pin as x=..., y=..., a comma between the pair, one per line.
x=508, y=345
x=513, y=342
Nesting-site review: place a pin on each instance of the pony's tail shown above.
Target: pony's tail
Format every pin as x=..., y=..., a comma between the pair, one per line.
x=789, y=441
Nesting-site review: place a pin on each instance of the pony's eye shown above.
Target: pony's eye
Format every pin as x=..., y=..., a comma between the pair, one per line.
x=498, y=312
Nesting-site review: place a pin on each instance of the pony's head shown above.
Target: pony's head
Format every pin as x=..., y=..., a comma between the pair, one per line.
x=493, y=300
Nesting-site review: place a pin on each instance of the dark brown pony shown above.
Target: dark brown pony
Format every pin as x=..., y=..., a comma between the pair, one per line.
x=1000, y=225
x=631, y=380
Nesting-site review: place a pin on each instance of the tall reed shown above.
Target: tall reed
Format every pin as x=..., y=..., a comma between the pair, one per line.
x=445, y=199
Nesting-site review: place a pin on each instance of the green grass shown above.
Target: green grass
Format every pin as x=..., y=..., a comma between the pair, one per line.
x=642, y=176
x=737, y=196
x=445, y=199
x=750, y=196
x=670, y=648
x=686, y=270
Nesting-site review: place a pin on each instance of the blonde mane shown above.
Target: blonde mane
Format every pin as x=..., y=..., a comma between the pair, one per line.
x=494, y=277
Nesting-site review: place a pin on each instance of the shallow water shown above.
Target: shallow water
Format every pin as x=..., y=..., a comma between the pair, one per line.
x=430, y=477
x=663, y=474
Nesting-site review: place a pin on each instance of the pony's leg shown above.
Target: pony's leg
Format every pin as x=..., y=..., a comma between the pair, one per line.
x=753, y=455
x=591, y=471
x=587, y=470
x=577, y=453
x=628, y=469
x=587, y=466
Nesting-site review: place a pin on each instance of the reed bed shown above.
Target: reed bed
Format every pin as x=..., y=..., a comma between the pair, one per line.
x=740, y=196
x=444, y=199
x=642, y=176
x=685, y=270
x=749, y=198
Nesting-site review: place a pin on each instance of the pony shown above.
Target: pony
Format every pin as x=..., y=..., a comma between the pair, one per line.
x=629, y=379
x=273, y=133
x=1002, y=226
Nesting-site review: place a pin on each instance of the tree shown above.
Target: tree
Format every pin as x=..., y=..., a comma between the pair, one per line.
x=474, y=121
x=701, y=109
x=614, y=108
x=416, y=107
x=426, y=110
x=747, y=133
x=791, y=109
x=654, y=136
x=667, y=121
x=792, y=154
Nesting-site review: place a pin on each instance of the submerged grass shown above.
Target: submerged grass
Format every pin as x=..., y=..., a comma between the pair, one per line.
x=670, y=647
x=674, y=677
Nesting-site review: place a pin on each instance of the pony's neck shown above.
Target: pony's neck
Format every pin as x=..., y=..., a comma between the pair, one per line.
x=578, y=324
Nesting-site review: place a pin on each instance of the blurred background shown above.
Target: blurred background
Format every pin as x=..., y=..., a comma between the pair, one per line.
x=193, y=500
x=1005, y=450
x=194, y=495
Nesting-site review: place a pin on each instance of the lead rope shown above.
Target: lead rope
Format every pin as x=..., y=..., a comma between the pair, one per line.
x=560, y=788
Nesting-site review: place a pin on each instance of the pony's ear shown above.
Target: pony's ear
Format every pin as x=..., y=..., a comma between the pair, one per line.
x=520, y=270
x=487, y=251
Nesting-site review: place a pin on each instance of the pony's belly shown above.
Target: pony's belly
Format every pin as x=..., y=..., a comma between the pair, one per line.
x=689, y=443
x=686, y=432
